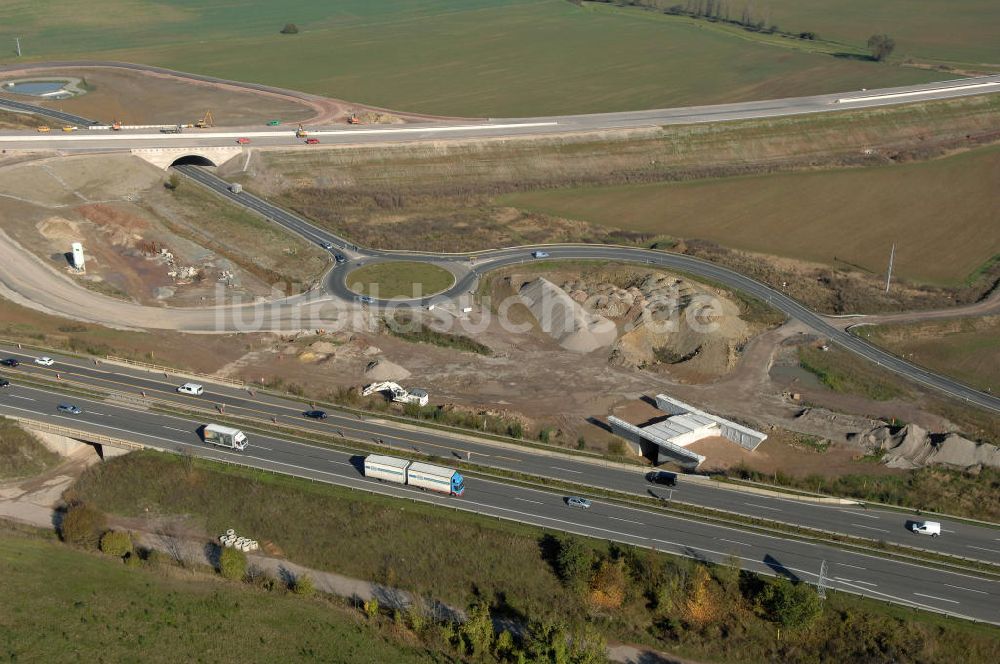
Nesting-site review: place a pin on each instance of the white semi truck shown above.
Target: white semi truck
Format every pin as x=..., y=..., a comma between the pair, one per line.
x=414, y=473
x=217, y=434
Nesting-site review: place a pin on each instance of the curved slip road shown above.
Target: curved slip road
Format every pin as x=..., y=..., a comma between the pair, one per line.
x=961, y=594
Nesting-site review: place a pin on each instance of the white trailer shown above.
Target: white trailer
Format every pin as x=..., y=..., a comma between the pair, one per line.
x=435, y=478
x=386, y=468
x=217, y=434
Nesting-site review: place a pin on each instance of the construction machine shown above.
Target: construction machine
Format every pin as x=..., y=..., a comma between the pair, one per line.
x=205, y=122
x=354, y=119
x=43, y=130
x=301, y=132
x=116, y=125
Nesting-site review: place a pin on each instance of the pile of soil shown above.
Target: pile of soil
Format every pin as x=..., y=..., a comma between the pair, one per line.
x=912, y=447
x=381, y=370
x=565, y=320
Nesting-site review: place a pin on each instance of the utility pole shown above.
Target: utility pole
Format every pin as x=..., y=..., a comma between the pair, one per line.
x=888, y=277
x=17, y=41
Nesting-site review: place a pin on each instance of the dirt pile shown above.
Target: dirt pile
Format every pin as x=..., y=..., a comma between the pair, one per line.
x=564, y=319
x=380, y=370
x=913, y=447
x=667, y=320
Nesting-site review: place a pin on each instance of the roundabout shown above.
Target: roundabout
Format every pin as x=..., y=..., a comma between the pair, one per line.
x=399, y=280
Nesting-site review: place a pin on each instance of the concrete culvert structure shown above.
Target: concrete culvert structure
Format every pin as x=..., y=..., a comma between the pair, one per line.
x=193, y=160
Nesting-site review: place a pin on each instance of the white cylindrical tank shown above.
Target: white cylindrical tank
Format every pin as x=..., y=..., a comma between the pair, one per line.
x=78, y=261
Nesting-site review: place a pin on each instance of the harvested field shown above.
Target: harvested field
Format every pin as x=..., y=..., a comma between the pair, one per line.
x=967, y=349
x=843, y=217
x=135, y=97
x=485, y=58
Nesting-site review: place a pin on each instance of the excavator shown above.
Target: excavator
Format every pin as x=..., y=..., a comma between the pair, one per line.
x=116, y=125
x=301, y=132
x=354, y=119
x=205, y=122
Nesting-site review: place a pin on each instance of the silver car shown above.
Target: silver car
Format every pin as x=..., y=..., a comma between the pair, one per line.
x=575, y=501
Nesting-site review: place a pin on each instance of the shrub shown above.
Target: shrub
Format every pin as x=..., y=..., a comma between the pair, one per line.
x=132, y=559
x=290, y=29
x=371, y=608
x=232, y=564
x=82, y=525
x=573, y=560
x=304, y=586
x=790, y=605
x=116, y=543
x=608, y=585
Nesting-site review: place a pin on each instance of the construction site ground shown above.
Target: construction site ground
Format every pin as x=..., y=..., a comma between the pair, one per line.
x=144, y=241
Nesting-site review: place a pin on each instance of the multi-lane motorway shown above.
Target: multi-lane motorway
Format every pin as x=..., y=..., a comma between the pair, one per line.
x=862, y=573
x=964, y=539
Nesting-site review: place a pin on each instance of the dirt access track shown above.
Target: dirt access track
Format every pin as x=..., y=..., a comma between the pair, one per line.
x=137, y=94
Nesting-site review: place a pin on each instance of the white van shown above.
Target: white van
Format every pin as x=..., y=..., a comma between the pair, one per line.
x=932, y=528
x=191, y=388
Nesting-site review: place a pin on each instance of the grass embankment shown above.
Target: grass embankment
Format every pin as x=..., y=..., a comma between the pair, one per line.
x=21, y=455
x=526, y=573
x=62, y=605
x=402, y=279
x=278, y=258
x=484, y=58
x=844, y=372
x=410, y=329
x=931, y=489
x=852, y=216
x=14, y=120
x=967, y=349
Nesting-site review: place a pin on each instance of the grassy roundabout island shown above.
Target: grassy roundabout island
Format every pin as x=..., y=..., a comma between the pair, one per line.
x=407, y=279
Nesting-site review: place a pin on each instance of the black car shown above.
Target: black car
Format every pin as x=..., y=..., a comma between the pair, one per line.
x=662, y=477
x=341, y=258
x=315, y=414
x=10, y=362
x=4, y=382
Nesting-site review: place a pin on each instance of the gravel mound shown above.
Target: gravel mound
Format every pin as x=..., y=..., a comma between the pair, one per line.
x=380, y=370
x=563, y=319
x=913, y=447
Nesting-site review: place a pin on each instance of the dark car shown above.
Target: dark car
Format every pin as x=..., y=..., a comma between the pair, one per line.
x=341, y=258
x=4, y=382
x=69, y=408
x=328, y=246
x=315, y=414
x=10, y=362
x=662, y=477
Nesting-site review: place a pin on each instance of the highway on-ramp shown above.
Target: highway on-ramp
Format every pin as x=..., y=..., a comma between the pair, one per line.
x=872, y=575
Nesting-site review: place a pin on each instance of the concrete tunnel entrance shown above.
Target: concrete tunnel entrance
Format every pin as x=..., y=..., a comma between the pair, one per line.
x=194, y=160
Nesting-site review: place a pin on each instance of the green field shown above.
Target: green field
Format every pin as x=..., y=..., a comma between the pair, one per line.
x=942, y=215
x=966, y=348
x=64, y=605
x=405, y=279
x=492, y=58
x=21, y=455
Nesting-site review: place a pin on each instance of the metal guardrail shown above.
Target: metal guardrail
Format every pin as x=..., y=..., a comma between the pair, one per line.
x=159, y=368
x=69, y=432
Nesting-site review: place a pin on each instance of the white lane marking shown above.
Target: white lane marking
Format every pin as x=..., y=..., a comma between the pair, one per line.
x=176, y=429
x=858, y=525
x=260, y=447
x=864, y=583
x=567, y=470
x=269, y=134
x=763, y=507
x=18, y=396
x=850, y=565
x=867, y=516
x=982, y=549
x=618, y=518
x=971, y=590
x=497, y=456
x=94, y=412
x=723, y=539
x=895, y=95
x=528, y=500
x=940, y=599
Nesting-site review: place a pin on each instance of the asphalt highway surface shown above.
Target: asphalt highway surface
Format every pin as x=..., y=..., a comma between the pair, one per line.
x=866, y=574
x=961, y=539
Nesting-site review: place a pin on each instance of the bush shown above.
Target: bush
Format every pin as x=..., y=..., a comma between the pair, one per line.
x=304, y=586
x=232, y=564
x=132, y=559
x=790, y=605
x=371, y=608
x=116, y=543
x=573, y=561
x=290, y=29
x=82, y=525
